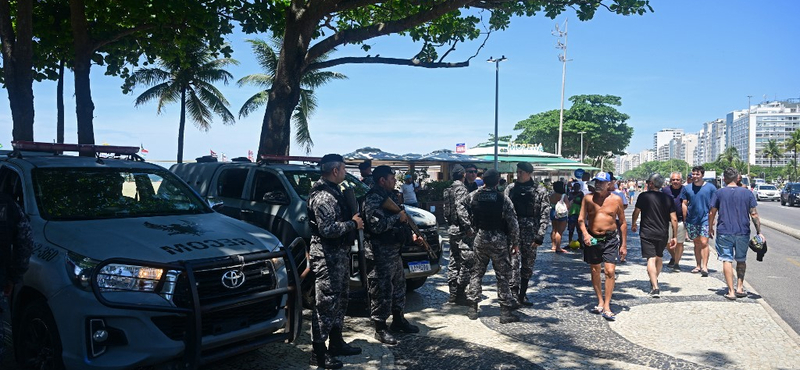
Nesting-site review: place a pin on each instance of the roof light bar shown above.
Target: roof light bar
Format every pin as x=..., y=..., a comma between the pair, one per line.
x=286, y=158
x=34, y=146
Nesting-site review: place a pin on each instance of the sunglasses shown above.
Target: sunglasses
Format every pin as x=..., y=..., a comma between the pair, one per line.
x=472, y=171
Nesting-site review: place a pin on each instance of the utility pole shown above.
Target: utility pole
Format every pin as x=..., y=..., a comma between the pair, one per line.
x=748, y=135
x=563, y=58
x=496, y=99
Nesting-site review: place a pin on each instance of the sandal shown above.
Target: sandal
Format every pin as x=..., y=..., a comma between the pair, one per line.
x=741, y=295
x=597, y=309
x=730, y=297
x=610, y=316
x=696, y=270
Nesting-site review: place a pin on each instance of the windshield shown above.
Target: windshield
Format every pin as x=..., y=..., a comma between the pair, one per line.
x=88, y=194
x=794, y=187
x=767, y=187
x=302, y=181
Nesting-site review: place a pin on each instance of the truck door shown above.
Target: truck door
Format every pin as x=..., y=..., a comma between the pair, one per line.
x=268, y=205
x=229, y=191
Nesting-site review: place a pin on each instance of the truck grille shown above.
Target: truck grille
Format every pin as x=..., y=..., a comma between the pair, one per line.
x=259, y=276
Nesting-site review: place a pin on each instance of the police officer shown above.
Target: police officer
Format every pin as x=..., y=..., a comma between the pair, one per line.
x=366, y=172
x=387, y=232
x=533, y=214
x=332, y=234
x=16, y=244
x=461, y=256
x=471, y=174
x=492, y=214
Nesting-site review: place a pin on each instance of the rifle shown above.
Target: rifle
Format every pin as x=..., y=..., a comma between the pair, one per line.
x=391, y=206
x=352, y=204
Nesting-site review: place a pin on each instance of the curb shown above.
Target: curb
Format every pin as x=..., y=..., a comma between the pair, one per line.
x=782, y=228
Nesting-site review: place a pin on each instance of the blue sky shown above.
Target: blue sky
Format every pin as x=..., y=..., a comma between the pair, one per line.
x=687, y=63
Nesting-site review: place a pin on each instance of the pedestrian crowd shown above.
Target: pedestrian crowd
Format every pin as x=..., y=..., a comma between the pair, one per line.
x=506, y=226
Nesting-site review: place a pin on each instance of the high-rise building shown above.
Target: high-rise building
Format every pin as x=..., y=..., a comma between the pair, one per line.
x=750, y=130
x=661, y=142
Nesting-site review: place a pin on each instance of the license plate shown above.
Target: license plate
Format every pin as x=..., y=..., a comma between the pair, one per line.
x=420, y=266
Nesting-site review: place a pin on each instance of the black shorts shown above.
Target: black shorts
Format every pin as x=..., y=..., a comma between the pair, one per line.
x=606, y=249
x=653, y=247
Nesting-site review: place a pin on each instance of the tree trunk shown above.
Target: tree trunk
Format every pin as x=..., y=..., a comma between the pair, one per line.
x=84, y=107
x=17, y=49
x=60, y=103
x=285, y=93
x=182, y=125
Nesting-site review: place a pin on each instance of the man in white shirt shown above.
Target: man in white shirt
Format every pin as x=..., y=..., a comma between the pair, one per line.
x=409, y=189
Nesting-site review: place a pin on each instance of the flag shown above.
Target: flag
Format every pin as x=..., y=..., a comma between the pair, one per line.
x=249, y=154
x=212, y=153
x=224, y=158
x=143, y=150
x=461, y=148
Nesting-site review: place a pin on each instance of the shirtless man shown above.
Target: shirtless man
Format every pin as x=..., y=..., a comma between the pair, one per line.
x=602, y=239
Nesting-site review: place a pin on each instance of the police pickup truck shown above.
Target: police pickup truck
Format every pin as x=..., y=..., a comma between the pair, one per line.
x=273, y=196
x=132, y=269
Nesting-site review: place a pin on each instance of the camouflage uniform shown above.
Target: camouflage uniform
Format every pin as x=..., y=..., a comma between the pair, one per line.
x=532, y=228
x=16, y=245
x=330, y=245
x=387, y=235
x=461, y=255
x=493, y=245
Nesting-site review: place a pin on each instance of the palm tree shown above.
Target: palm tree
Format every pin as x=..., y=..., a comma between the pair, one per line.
x=268, y=60
x=791, y=170
x=729, y=158
x=793, y=144
x=772, y=150
x=188, y=80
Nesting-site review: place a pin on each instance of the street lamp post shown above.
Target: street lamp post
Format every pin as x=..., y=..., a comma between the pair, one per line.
x=748, y=135
x=563, y=58
x=582, y=132
x=496, y=99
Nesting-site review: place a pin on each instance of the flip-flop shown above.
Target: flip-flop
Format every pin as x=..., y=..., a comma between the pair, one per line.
x=730, y=297
x=741, y=295
x=696, y=270
x=597, y=309
x=704, y=273
x=608, y=315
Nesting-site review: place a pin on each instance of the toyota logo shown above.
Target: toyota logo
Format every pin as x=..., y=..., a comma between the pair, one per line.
x=233, y=279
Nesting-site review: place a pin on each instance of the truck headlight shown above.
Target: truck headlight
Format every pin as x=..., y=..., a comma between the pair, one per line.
x=120, y=277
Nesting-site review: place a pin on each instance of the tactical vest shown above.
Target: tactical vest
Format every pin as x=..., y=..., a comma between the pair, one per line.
x=346, y=213
x=524, y=198
x=395, y=235
x=487, y=210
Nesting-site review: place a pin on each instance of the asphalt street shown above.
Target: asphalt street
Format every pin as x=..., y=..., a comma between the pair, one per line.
x=776, y=278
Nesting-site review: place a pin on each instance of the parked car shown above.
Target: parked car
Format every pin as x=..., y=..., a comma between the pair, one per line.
x=274, y=196
x=790, y=195
x=132, y=269
x=766, y=192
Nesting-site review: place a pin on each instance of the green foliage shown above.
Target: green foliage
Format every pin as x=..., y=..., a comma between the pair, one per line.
x=793, y=144
x=434, y=191
x=267, y=56
x=605, y=127
x=665, y=168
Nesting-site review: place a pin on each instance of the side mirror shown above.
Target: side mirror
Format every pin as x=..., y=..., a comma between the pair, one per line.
x=276, y=197
x=215, y=203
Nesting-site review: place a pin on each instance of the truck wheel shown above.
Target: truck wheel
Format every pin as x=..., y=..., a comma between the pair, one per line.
x=37, y=344
x=415, y=283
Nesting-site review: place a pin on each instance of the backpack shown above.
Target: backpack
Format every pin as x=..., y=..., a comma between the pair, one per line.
x=561, y=208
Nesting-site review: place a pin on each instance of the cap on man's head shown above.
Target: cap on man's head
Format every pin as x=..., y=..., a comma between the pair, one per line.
x=602, y=176
x=579, y=173
x=491, y=177
x=381, y=171
x=525, y=166
x=327, y=158
x=365, y=165
x=407, y=176
x=457, y=169
x=657, y=180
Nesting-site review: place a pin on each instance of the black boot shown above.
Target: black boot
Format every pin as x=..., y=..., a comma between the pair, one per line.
x=507, y=316
x=461, y=297
x=321, y=358
x=472, y=311
x=453, y=293
x=338, y=347
x=522, y=297
x=382, y=333
x=401, y=325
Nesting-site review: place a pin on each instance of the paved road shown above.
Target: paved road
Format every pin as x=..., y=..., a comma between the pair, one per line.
x=774, y=211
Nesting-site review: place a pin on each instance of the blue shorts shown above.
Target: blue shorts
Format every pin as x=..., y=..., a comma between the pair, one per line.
x=732, y=247
x=696, y=230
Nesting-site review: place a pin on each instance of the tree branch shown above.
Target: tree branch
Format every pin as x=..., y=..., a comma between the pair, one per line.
x=452, y=47
x=380, y=60
x=99, y=44
x=356, y=35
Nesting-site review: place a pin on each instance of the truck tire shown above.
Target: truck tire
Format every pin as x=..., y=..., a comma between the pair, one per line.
x=37, y=344
x=415, y=283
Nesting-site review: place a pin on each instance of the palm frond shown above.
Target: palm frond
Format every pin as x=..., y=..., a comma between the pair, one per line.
x=255, y=102
x=217, y=103
x=152, y=93
x=200, y=114
x=258, y=79
x=150, y=76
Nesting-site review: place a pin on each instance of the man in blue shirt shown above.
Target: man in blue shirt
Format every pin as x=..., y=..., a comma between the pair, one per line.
x=736, y=207
x=676, y=190
x=698, y=197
